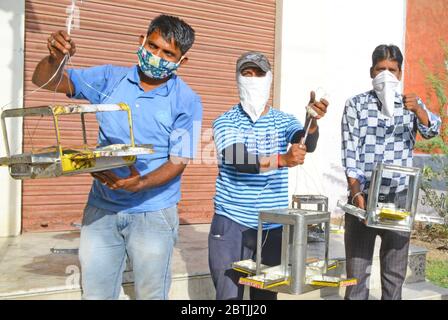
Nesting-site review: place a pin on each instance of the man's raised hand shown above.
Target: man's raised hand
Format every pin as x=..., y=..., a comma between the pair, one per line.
x=59, y=44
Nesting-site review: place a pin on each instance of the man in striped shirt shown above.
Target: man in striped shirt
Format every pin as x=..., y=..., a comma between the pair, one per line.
x=380, y=126
x=252, y=142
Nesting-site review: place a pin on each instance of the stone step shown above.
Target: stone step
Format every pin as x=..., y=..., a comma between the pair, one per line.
x=191, y=288
x=45, y=266
x=29, y=270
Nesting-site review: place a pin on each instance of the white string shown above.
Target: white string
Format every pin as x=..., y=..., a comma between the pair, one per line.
x=67, y=57
x=34, y=91
x=324, y=96
x=69, y=27
x=63, y=61
x=305, y=172
x=59, y=82
x=411, y=135
x=88, y=85
x=256, y=204
x=320, y=94
x=31, y=136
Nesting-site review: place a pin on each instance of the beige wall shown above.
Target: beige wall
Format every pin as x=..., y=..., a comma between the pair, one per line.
x=328, y=44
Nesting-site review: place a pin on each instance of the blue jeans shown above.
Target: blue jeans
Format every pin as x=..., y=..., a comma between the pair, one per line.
x=147, y=238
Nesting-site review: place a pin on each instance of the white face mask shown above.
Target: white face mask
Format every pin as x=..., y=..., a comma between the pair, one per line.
x=254, y=94
x=385, y=85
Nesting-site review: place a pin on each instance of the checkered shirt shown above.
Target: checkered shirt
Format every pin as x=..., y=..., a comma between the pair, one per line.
x=369, y=137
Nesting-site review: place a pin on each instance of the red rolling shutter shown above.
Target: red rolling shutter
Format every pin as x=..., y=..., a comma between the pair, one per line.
x=109, y=34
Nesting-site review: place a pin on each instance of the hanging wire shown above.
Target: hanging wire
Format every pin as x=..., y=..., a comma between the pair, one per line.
x=22, y=97
x=66, y=58
x=88, y=85
x=320, y=94
x=256, y=204
x=36, y=90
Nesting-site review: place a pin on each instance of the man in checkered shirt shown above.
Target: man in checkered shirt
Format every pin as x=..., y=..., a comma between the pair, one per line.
x=370, y=136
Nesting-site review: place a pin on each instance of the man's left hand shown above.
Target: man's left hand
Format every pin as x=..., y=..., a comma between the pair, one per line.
x=319, y=106
x=132, y=183
x=411, y=102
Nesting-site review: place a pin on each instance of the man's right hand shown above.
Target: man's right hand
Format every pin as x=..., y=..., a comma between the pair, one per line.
x=360, y=201
x=59, y=44
x=294, y=157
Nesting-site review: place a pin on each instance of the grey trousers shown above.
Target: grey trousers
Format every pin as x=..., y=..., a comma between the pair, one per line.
x=359, y=248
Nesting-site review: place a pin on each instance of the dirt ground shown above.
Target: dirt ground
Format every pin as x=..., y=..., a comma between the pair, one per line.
x=436, y=244
x=437, y=249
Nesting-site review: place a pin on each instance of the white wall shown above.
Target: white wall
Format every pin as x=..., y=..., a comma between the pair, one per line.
x=328, y=44
x=12, y=19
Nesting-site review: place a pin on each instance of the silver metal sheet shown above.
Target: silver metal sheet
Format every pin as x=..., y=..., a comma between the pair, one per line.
x=122, y=150
x=354, y=211
x=48, y=164
x=86, y=108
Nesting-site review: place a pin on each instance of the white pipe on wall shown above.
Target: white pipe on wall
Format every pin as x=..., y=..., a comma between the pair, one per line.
x=12, y=34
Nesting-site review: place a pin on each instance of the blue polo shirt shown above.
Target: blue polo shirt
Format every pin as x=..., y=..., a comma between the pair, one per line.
x=168, y=117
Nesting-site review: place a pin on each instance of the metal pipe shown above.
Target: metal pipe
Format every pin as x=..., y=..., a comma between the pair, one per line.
x=300, y=242
x=286, y=248
x=307, y=131
x=415, y=190
x=5, y=137
x=327, y=246
x=83, y=123
x=259, y=248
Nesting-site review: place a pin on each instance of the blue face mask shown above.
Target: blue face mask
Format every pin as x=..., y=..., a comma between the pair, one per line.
x=155, y=67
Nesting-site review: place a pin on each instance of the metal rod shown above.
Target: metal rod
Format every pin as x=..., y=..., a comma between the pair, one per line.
x=286, y=247
x=259, y=248
x=307, y=131
x=5, y=137
x=327, y=246
x=83, y=123
x=415, y=185
x=299, y=245
x=58, y=135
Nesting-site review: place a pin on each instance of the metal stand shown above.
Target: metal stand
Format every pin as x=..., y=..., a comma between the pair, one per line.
x=296, y=273
x=59, y=160
x=395, y=216
x=320, y=203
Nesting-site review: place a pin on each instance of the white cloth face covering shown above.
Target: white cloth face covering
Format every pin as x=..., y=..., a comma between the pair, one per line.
x=254, y=94
x=385, y=85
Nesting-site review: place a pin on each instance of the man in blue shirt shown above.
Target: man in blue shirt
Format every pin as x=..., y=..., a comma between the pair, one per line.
x=133, y=211
x=252, y=142
x=380, y=126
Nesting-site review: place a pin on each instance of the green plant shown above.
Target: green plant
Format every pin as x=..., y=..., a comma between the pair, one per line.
x=437, y=83
x=437, y=272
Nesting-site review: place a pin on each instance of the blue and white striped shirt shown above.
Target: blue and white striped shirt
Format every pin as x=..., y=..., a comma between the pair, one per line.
x=369, y=137
x=241, y=196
